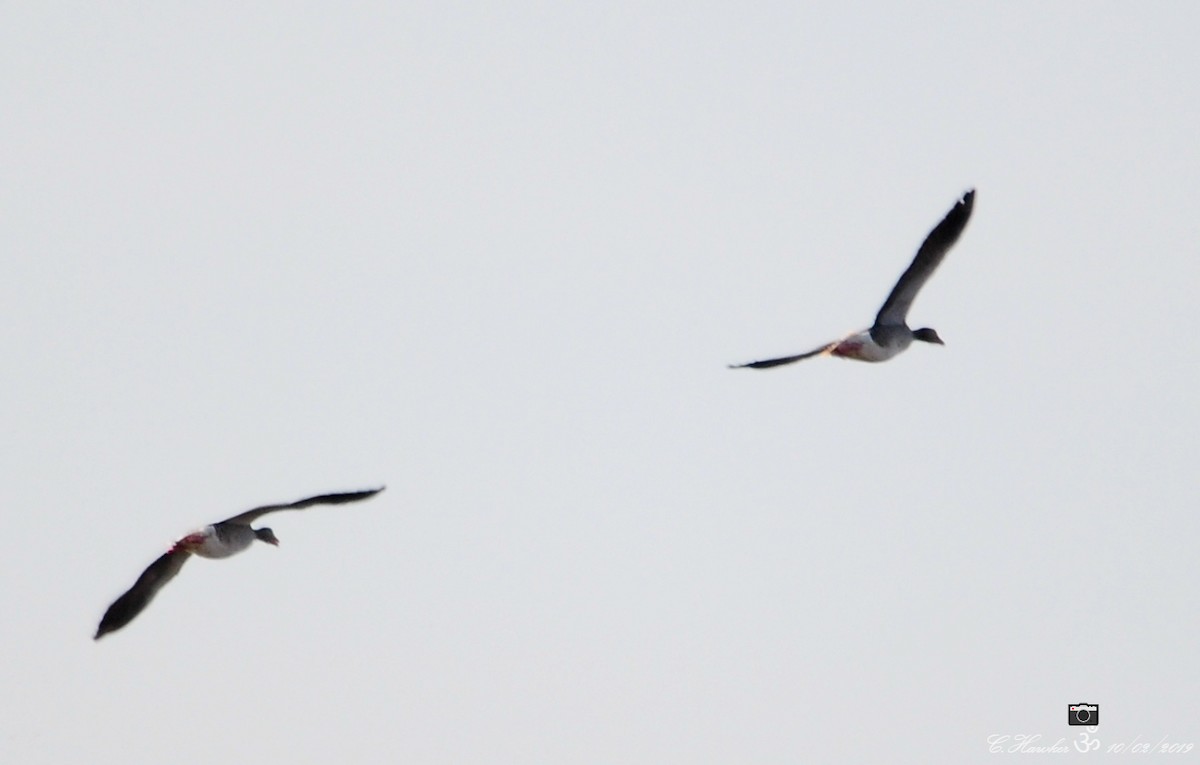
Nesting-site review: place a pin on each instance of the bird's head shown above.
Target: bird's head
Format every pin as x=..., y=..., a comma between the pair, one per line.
x=267, y=536
x=927, y=335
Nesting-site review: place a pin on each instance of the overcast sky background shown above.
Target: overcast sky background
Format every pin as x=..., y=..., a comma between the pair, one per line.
x=497, y=256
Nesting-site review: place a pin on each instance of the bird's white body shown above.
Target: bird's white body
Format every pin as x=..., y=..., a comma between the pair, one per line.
x=210, y=542
x=862, y=346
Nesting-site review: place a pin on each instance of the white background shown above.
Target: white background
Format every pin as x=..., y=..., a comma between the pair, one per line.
x=497, y=256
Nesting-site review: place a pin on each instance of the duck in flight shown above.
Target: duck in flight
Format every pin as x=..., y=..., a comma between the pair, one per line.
x=891, y=334
x=218, y=540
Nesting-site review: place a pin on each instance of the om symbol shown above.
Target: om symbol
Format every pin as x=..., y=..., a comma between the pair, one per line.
x=1086, y=743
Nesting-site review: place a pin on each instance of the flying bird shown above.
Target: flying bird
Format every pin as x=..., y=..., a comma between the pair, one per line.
x=218, y=540
x=891, y=334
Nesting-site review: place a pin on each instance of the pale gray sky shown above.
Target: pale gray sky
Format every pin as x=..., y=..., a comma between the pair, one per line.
x=497, y=256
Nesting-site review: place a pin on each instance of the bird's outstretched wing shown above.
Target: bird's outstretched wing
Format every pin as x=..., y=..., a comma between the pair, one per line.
x=768, y=363
x=934, y=248
x=323, y=499
x=134, y=601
